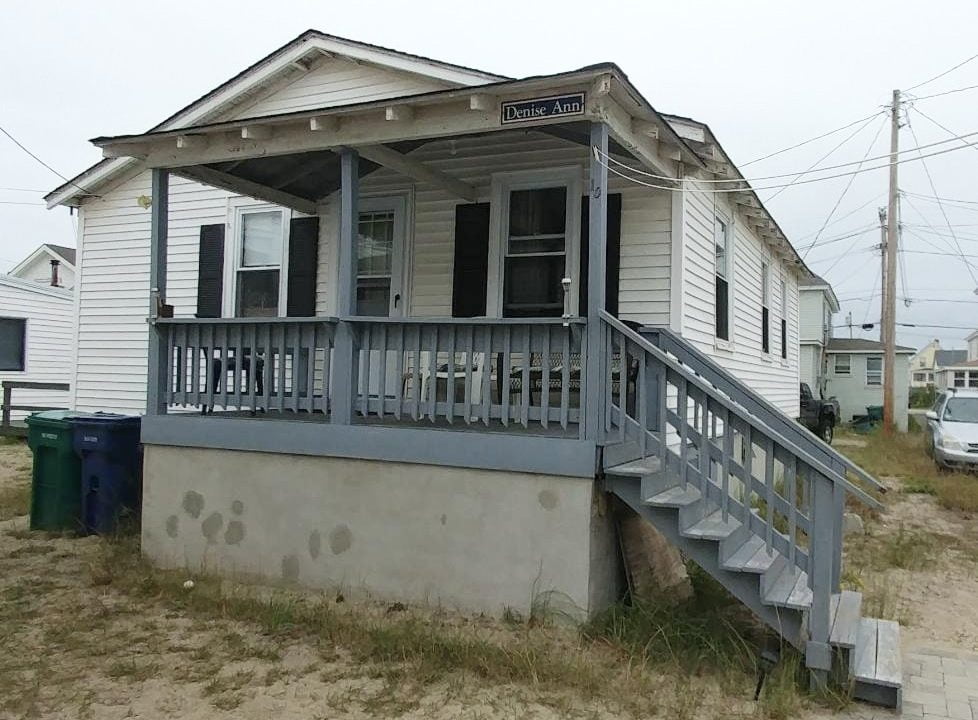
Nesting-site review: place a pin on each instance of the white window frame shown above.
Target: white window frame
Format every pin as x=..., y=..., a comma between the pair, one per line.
x=571, y=178
x=27, y=332
x=729, y=246
x=874, y=374
x=963, y=378
x=835, y=365
x=237, y=208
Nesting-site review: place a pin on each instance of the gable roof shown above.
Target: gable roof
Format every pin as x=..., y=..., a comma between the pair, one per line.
x=271, y=68
x=60, y=253
x=862, y=345
x=943, y=358
x=816, y=282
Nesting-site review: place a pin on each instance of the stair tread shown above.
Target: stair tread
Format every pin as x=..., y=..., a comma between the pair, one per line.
x=741, y=557
x=801, y=595
x=636, y=468
x=877, y=653
x=675, y=496
x=789, y=587
x=846, y=613
x=712, y=527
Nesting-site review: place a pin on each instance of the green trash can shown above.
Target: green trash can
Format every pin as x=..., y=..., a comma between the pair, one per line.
x=875, y=412
x=56, y=477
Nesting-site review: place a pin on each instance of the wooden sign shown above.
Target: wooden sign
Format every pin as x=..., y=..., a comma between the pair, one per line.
x=514, y=111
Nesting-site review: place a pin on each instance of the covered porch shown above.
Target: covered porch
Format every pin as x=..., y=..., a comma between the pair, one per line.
x=373, y=328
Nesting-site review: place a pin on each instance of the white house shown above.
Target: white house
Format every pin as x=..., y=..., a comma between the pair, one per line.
x=928, y=362
x=962, y=369
x=817, y=302
x=447, y=311
x=855, y=378
x=37, y=331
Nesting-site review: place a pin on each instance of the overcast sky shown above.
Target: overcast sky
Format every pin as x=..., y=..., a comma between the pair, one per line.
x=763, y=75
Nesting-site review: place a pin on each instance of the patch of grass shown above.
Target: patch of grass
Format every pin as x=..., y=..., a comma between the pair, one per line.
x=15, y=499
x=225, y=683
x=902, y=455
x=132, y=670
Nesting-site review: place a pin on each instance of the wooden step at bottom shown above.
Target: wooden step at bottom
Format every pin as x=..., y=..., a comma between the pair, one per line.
x=712, y=527
x=636, y=468
x=846, y=612
x=876, y=659
x=790, y=590
x=675, y=497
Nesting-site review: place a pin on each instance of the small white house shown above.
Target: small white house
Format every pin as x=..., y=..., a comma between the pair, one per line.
x=37, y=329
x=444, y=310
x=962, y=370
x=817, y=303
x=928, y=363
x=855, y=377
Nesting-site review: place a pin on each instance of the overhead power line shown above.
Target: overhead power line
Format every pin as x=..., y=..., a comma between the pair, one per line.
x=946, y=92
x=23, y=147
x=811, y=140
x=16, y=189
x=940, y=75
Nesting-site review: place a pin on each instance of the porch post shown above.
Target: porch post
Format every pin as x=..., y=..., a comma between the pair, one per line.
x=157, y=365
x=597, y=249
x=344, y=367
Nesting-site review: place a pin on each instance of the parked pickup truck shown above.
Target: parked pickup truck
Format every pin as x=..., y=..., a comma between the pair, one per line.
x=819, y=416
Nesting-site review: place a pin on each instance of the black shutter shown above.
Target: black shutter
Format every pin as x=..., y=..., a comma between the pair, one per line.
x=612, y=260
x=303, y=263
x=210, y=271
x=471, y=260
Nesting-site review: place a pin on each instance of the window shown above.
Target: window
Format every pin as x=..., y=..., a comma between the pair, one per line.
x=843, y=364
x=261, y=245
x=535, y=251
x=722, y=242
x=784, y=320
x=959, y=378
x=765, y=307
x=375, y=262
x=874, y=370
x=13, y=343
x=920, y=377
x=973, y=379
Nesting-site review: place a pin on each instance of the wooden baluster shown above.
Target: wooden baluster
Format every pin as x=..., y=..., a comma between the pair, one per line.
x=565, y=376
x=223, y=355
x=238, y=335
x=401, y=380
x=683, y=408
x=450, y=379
x=704, y=443
x=364, y=381
x=487, y=375
x=209, y=365
x=544, y=375
x=623, y=370
x=168, y=381
x=252, y=366
x=505, y=373
x=525, y=399
x=769, y=492
x=433, y=375
x=469, y=348
x=641, y=400
x=382, y=379
x=417, y=374
x=748, y=440
x=296, y=346
x=309, y=342
x=281, y=365
x=267, y=368
x=609, y=378
x=329, y=337
x=725, y=464
x=663, y=380
x=789, y=483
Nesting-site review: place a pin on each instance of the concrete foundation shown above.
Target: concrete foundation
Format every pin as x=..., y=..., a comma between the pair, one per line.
x=474, y=540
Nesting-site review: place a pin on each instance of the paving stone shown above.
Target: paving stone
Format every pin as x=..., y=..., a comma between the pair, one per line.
x=959, y=710
x=960, y=681
x=912, y=709
x=931, y=686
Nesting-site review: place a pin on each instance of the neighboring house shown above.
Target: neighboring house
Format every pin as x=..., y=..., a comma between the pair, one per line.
x=855, y=377
x=37, y=328
x=394, y=309
x=962, y=369
x=817, y=303
x=927, y=363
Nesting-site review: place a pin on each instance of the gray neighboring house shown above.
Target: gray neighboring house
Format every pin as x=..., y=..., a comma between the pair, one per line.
x=855, y=377
x=817, y=303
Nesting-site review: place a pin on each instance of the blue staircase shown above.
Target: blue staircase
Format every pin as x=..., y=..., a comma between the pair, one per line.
x=749, y=495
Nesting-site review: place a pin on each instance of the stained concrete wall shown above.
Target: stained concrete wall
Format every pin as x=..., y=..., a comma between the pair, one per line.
x=476, y=540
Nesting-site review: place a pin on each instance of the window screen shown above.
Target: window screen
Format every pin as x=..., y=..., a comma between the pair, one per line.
x=874, y=370
x=13, y=336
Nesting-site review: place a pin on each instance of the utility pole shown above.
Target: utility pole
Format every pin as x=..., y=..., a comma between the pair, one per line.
x=883, y=288
x=889, y=319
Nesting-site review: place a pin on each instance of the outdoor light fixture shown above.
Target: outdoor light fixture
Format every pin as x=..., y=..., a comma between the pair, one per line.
x=566, y=284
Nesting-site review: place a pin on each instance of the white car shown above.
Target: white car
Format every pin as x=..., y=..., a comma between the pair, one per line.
x=952, y=429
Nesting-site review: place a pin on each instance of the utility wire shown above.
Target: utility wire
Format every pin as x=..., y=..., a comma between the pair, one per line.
x=810, y=140
x=824, y=157
x=940, y=75
x=16, y=202
x=933, y=121
x=19, y=144
x=16, y=189
x=946, y=92
x=940, y=199
x=940, y=204
x=644, y=173
x=636, y=181
x=848, y=214
x=845, y=190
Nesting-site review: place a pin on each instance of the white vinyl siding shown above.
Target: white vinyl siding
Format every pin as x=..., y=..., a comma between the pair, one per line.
x=47, y=351
x=812, y=316
x=774, y=378
x=337, y=81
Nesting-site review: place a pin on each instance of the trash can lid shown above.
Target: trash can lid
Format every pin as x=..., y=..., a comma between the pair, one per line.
x=104, y=418
x=55, y=418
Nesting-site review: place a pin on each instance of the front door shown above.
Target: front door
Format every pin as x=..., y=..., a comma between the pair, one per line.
x=380, y=262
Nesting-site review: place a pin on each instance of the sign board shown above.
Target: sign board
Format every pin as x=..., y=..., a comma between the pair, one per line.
x=514, y=111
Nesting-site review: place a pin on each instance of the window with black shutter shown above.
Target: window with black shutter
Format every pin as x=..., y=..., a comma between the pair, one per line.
x=303, y=265
x=784, y=319
x=612, y=257
x=13, y=344
x=722, y=258
x=765, y=307
x=471, y=266
x=210, y=271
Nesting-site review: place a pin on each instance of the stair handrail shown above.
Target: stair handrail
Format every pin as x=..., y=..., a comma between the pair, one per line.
x=677, y=342
x=740, y=411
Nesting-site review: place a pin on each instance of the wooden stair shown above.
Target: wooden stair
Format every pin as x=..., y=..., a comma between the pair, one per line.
x=762, y=578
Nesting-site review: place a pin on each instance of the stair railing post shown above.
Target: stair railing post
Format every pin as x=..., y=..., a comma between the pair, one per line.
x=345, y=364
x=597, y=363
x=818, y=653
x=158, y=228
x=838, y=516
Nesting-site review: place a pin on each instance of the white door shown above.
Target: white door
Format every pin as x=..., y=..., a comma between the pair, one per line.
x=380, y=263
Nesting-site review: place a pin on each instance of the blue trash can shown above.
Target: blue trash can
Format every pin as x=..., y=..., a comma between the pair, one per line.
x=111, y=470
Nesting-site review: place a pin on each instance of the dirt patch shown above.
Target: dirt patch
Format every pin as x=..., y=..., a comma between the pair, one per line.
x=15, y=478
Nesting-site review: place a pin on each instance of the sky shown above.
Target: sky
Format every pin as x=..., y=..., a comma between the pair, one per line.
x=763, y=75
